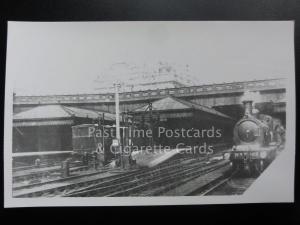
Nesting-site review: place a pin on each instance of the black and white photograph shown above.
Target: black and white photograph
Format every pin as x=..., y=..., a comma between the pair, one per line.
x=149, y=113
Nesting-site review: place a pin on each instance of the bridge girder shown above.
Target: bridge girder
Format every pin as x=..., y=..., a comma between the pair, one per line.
x=271, y=91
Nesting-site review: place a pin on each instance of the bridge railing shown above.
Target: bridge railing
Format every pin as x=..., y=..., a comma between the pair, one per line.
x=256, y=85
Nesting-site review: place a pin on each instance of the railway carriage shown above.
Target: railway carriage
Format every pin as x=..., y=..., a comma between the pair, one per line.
x=88, y=139
x=87, y=142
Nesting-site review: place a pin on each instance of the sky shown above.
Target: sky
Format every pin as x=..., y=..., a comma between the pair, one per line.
x=67, y=57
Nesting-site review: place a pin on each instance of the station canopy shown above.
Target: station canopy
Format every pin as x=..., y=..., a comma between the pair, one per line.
x=56, y=115
x=171, y=107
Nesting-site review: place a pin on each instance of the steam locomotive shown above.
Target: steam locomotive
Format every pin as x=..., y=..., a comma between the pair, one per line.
x=257, y=138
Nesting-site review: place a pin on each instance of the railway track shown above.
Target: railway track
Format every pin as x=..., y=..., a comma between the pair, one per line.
x=40, y=173
x=230, y=186
x=195, y=180
x=19, y=186
x=162, y=185
x=84, y=184
x=135, y=185
x=213, y=184
x=62, y=186
x=29, y=167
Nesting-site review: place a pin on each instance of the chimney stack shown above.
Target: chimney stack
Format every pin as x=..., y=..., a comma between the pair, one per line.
x=248, y=107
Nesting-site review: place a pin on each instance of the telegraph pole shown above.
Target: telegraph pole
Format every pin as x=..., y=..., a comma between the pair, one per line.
x=151, y=125
x=118, y=136
x=117, y=111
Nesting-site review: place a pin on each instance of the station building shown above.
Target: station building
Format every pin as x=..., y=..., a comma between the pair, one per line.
x=49, y=127
x=172, y=118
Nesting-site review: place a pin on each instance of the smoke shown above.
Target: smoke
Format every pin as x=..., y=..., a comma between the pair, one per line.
x=251, y=96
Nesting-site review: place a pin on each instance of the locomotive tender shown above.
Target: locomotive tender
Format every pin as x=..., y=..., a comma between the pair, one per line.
x=257, y=138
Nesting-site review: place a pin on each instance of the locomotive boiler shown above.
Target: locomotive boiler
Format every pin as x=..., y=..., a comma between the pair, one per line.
x=257, y=138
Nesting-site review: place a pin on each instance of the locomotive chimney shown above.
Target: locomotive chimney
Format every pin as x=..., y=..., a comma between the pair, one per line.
x=248, y=107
